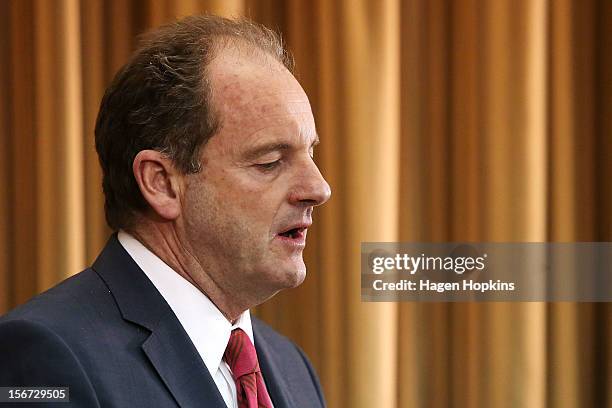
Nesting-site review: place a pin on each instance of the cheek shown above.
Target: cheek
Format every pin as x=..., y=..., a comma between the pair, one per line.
x=249, y=193
x=219, y=214
x=235, y=200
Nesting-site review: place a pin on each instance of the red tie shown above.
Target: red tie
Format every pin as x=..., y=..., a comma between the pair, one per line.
x=241, y=357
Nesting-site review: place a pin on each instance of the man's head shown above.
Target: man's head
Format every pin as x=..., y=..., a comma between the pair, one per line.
x=207, y=136
x=161, y=100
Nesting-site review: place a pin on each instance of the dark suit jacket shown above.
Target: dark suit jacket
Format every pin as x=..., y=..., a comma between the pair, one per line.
x=111, y=337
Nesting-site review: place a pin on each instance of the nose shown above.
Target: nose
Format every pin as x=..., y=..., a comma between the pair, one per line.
x=310, y=188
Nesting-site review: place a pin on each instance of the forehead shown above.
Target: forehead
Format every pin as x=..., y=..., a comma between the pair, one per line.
x=252, y=91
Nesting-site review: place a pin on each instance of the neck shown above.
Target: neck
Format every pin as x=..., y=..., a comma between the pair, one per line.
x=165, y=242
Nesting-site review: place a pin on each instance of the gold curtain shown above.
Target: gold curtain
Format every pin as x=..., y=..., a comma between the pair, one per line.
x=465, y=120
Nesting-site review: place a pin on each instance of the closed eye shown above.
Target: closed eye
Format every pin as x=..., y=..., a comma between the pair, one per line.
x=269, y=166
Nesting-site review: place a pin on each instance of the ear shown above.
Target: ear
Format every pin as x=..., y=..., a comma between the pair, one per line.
x=159, y=183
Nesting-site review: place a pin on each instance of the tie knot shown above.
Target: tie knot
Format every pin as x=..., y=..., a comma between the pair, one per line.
x=240, y=354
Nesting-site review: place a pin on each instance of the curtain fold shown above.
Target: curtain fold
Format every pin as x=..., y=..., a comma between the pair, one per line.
x=470, y=120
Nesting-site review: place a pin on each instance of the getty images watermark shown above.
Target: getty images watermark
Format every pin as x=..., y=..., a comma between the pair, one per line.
x=454, y=272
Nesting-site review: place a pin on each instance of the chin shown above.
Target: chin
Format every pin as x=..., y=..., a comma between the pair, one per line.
x=299, y=277
x=290, y=276
x=276, y=276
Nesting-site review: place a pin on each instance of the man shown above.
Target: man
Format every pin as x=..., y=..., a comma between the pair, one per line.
x=206, y=142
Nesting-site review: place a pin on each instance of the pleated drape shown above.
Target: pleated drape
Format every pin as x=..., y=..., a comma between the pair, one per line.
x=469, y=120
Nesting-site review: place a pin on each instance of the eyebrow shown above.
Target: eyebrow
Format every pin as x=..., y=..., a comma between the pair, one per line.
x=272, y=147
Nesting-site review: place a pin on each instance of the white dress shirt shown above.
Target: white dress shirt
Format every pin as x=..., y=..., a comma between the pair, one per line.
x=205, y=325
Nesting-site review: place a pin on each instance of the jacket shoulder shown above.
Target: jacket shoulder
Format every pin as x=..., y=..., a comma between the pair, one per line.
x=33, y=355
x=75, y=309
x=61, y=303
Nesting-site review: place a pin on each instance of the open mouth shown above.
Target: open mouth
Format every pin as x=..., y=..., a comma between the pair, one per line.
x=293, y=233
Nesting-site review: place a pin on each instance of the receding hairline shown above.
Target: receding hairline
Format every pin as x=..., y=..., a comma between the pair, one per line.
x=218, y=33
x=253, y=52
x=218, y=76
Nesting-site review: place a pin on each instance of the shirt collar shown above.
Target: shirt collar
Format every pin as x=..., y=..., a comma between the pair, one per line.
x=204, y=323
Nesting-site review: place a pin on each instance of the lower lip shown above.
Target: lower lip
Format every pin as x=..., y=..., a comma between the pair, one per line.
x=298, y=240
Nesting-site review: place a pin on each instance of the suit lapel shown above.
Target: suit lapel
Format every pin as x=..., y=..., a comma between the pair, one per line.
x=272, y=374
x=168, y=347
x=179, y=365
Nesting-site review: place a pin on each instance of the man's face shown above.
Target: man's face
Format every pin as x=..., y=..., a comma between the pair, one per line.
x=246, y=213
